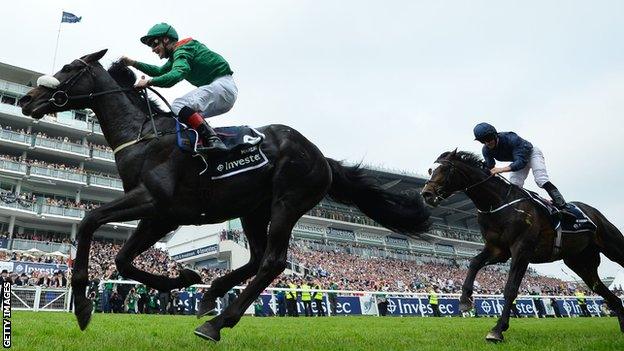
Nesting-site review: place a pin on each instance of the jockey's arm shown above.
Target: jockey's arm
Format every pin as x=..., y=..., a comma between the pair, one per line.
x=151, y=70
x=178, y=70
x=521, y=152
x=490, y=162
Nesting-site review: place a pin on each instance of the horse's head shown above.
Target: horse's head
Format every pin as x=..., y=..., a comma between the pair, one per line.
x=57, y=93
x=450, y=174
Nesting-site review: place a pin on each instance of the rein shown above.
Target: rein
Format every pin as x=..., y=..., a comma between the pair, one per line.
x=60, y=98
x=491, y=210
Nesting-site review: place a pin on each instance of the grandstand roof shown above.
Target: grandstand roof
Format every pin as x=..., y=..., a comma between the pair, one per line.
x=18, y=75
x=457, y=211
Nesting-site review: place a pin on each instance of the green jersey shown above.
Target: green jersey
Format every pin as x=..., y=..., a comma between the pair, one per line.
x=191, y=60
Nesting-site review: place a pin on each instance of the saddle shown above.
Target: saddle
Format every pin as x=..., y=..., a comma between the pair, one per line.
x=568, y=224
x=563, y=224
x=244, y=152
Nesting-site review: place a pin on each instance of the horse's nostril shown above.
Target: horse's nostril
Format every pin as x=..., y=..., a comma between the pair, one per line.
x=24, y=100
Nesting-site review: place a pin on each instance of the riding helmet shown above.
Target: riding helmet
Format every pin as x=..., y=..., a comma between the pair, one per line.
x=159, y=30
x=484, y=132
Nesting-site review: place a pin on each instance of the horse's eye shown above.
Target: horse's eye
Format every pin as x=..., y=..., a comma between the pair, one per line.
x=66, y=68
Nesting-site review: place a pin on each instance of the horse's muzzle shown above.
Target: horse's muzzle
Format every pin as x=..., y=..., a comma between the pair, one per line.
x=430, y=198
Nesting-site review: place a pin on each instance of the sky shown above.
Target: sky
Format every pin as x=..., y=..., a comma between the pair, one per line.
x=390, y=83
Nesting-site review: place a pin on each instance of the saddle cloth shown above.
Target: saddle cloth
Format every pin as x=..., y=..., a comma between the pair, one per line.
x=567, y=224
x=244, y=153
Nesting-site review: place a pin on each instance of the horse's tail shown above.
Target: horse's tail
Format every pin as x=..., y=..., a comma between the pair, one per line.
x=403, y=213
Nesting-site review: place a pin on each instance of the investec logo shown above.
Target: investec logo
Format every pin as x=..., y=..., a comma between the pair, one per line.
x=492, y=306
x=230, y=165
x=404, y=307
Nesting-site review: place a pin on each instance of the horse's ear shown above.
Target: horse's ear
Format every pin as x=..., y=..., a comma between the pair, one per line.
x=453, y=153
x=96, y=56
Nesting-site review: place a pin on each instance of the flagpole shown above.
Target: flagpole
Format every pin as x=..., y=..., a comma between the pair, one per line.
x=56, y=49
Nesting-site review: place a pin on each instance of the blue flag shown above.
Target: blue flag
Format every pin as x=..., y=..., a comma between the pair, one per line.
x=70, y=18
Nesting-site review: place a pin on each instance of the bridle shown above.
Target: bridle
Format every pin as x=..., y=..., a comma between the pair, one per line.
x=441, y=195
x=60, y=97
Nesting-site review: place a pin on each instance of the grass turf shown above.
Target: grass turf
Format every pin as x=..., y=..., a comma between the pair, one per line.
x=59, y=331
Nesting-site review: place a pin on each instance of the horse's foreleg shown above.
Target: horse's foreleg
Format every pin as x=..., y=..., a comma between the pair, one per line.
x=147, y=234
x=519, y=265
x=135, y=204
x=477, y=262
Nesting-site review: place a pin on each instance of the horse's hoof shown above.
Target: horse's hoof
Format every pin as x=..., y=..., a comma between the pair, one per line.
x=465, y=305
x=190, y=277
x=621, y=320
x=206, y=305
x=494, y=336
x=83, y=312
x=208, y=332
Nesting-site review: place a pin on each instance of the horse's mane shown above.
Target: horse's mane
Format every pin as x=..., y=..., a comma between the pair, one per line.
x=126, y=78
x=465, y=157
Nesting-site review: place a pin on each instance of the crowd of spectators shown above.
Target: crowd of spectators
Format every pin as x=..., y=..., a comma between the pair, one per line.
x=456, y=233
x=328, y=211
x=58, y=166
x=16, y=130
x=336, y=263
x=353, y=272
x=330, y=264
x=67, y=203
x=99, y=147
x=31, y=257
x=51, y=237
x=65, y=139
x=10, y=158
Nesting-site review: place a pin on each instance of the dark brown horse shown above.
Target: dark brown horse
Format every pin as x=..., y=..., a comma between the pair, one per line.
x=515, y=227
x=163, y=190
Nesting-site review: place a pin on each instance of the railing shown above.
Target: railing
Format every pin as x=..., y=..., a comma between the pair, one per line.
x=46, y=246
x=64, y=146
x=104, y=154
x=59, y=174
x=16, y=137
x=19, y=205
x=14, y=88
x=376, y=303
x=13, y=166
x=108, y=182
x=96, y=128
x=62, y=211
x=38, y=298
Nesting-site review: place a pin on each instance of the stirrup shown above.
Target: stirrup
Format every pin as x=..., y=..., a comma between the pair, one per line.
x=214, y=146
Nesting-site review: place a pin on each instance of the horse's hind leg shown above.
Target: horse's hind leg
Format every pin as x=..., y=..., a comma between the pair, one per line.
x=147, y=234
x=255, y=229
x=296, y=189
x=586, y=266
x=610, y=241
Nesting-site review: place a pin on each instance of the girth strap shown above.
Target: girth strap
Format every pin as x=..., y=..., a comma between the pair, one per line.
x=132, y=142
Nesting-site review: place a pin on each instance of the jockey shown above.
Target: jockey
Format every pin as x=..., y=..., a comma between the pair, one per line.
x=189, y=59
x=508, y=146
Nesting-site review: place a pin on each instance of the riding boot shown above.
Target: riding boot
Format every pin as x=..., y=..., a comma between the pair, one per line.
x=557, y=199
x=212, y=144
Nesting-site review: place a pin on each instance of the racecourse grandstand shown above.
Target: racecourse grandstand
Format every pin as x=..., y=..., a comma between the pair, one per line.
x=54, y=170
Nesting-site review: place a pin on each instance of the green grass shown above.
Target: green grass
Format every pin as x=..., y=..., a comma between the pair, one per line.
x=59, y=331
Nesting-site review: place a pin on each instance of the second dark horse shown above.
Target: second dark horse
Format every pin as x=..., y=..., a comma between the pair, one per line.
x=515, y=227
